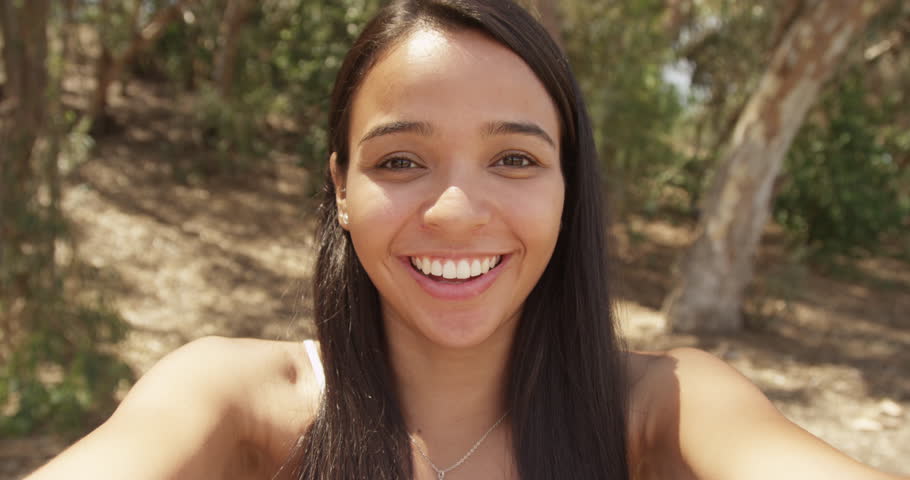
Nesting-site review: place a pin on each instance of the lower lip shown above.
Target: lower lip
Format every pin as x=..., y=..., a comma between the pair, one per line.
x=470, y=288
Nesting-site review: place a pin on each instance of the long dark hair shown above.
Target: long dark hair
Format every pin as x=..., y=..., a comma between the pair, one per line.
x=567, y=389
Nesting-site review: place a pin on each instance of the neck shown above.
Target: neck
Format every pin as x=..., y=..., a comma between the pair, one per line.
x=449, y=396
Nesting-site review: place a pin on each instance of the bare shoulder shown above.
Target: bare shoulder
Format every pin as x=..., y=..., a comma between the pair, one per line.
x=667, y=386
x=214, y=408
x=279, y=393
x=664, y=380
x=692, y=405
x=651, y=377
x=231, y=371
x=270, y=385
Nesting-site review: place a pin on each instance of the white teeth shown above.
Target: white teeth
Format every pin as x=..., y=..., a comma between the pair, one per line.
x=464, y=270
x=449, y=270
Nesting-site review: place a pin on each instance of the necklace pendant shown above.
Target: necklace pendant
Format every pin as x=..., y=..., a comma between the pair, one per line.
x=441, y=475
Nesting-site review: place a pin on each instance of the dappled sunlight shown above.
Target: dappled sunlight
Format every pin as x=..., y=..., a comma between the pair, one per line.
x=198, y=260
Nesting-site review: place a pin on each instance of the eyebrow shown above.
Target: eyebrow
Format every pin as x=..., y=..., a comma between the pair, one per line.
x=521, y=128
x=420, y=128
x=491, y=128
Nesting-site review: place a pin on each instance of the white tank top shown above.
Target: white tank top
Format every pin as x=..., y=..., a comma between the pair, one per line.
x=312, y=351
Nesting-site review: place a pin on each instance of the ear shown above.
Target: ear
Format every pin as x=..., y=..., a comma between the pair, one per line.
x=338, y=179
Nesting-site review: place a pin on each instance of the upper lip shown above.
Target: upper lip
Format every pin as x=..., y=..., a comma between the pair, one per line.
x=453, y=255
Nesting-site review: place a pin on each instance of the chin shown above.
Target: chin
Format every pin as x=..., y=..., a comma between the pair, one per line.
x=457, y=330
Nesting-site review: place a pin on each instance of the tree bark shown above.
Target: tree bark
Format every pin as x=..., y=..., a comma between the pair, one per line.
x=24, y=54
x=235, y=14
x=110, y=66
x=22, y=121
x=718, y=267
x=12, y=51
x=679, y=13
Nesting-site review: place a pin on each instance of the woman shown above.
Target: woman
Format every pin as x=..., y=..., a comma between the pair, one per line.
x=461, y=303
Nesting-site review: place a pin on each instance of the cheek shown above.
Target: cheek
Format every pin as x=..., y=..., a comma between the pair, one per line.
x=539, y=215
x=375, y=216
x=369, y=205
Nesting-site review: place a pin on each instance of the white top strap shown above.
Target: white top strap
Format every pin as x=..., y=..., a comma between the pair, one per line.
x=312, y=351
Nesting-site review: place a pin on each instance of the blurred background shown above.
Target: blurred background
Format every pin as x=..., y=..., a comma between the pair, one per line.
x=159, y=161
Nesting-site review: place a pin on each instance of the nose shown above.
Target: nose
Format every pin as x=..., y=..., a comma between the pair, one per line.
x=455, y=211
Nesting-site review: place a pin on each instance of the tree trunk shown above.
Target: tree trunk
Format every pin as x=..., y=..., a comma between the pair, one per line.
x=12, y=50
x=718, y=267
x=110, y=67
x=24, y=53
x=104, y=77
x=235, y=15
x=679, y=14
x=22, y=120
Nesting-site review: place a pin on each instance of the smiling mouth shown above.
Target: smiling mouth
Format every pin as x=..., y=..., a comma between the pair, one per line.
x=454, y=270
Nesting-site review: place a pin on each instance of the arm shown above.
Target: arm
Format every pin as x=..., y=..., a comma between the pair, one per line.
x=716, y=425
x=175, y=423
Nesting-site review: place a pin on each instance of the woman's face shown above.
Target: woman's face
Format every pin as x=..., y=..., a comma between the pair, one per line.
x=454, y=191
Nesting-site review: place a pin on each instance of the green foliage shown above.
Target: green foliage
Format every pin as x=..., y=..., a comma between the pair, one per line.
x=287, y=59
x=725, y=46
x=54, y=372
x=233, y=129
x=842, y=190
x=619, y=51
x=306, y=44
x=59, y=376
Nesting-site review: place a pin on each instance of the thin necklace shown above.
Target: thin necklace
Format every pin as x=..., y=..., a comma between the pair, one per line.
x=441, y=472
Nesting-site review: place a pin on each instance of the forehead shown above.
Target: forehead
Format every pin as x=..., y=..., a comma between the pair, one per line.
x=452, y=80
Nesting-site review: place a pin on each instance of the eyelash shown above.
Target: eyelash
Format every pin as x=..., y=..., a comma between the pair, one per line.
x=526, y=160
x=386, y=163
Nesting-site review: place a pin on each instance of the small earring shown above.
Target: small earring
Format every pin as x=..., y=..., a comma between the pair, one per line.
x=344, y=218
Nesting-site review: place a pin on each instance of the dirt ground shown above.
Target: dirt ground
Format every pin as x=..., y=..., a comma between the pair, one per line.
x=184, y=260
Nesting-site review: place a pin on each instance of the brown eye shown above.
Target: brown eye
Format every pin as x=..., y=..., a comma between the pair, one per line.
x=514, y=160
x=399, y=163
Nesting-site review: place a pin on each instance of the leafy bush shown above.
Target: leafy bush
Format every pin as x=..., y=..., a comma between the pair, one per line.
x=233, y=129
x=55, y=371
x=841, y=191
x=619, y=51
x=59, y=376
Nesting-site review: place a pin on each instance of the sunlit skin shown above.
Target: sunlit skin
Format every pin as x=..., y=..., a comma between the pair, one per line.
x=449, y=187
x=454, y=154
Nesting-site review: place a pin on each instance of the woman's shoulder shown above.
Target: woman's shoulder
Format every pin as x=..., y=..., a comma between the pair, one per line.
x=268, y=389
x=660, y=373
x=669, y=390
x=236, y=370
x=685, y=381
x=271, y=385
x=212, y=406
x=686, y=405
